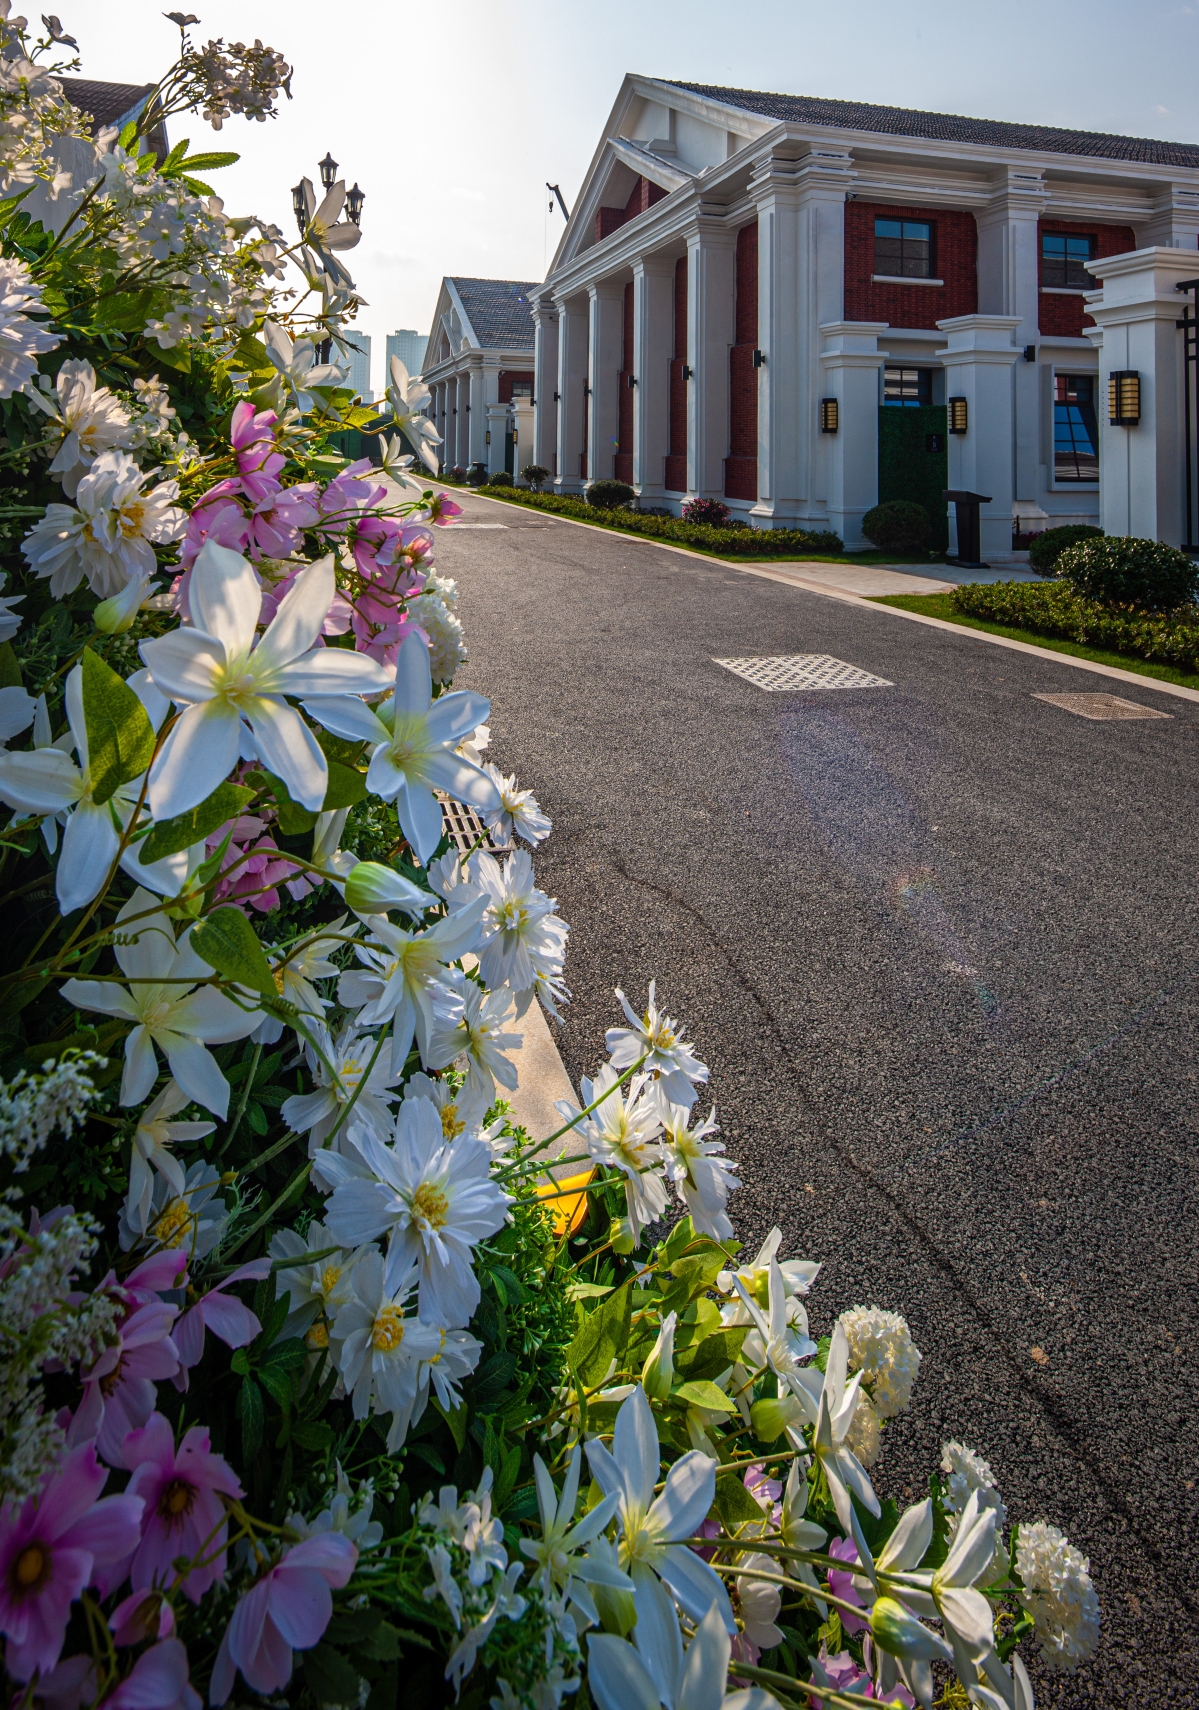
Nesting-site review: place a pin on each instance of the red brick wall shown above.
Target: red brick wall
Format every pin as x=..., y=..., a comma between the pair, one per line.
x=624, y=449
x=510, y=377
x=642, y=196
x=741, y=465
x=1062, y=317
x=955, y=260
x=676, y=462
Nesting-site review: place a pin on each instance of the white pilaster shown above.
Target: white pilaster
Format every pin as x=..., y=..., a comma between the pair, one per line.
x=1008, y=284
x=476, y=450
x=1173, y=224
x=520, y=422
x=1141, y=469
x=711, y=328
x=573, y=333
x=545, y=385
x=653, y=335
x=850, y=361
x=978, y=367
x=605, y=350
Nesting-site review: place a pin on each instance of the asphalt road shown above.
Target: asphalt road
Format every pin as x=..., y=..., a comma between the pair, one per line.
x=940, y=944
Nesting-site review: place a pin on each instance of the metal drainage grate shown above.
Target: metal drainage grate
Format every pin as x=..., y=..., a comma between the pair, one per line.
x=466, y=830
x=1102, y=706
x=803, y=671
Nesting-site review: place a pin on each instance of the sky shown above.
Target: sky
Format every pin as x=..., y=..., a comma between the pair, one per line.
x=452, y=117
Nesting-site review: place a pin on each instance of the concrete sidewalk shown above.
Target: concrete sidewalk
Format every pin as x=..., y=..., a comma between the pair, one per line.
x=872, y=580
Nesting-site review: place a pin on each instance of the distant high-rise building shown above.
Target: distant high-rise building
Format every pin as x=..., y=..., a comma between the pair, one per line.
x=357, y=358
x=409, y=346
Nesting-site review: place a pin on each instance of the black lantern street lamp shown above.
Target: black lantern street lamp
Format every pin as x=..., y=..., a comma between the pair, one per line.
x=354, y=200
x=328, y=171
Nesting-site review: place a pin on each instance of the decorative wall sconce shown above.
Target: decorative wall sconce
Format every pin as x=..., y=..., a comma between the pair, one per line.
x=759, y=359
x=957, y=412
x=1124, y=397
x=830, y=415
x=632, y=380
x=688, y=373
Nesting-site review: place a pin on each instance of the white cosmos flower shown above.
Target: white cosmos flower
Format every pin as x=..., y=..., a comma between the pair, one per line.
x=435, y=1201
x=650, y=1526
x=413, y=739
x=180, y=1020
x=518, y=813
x=317, y=1289
x=109, y=534
x=153, y=1139
x=462, y=1110
x=295, y=967
x=558, y=1553
x=405, y=979
x=224, y=681
x=22, y=341
x=456, y=1357
x=622, y=1131
x=657, y=1671
x=481, y=1039
x=655, y=1037
x=377, y=1345
x=798, y=1275
x=86, y=419
x=316, y=1113
x=522, y=935
x=408, y=398
x=702, y=1179
x=298, y=367
x=10, y=620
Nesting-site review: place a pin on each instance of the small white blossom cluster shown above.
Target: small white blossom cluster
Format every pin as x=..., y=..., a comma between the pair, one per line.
x=882, y=1349
x=34, y=112
x=32, y=1107
x=1058, y=1594
x=432, y=611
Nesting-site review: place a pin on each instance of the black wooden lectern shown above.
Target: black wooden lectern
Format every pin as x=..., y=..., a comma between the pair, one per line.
x=969, y=545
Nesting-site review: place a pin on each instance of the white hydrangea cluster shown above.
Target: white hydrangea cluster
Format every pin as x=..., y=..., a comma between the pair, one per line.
x=1058, y=1594
x=882, y=1349
x=433, y=613
x=864, y=1436
x=967, y=1472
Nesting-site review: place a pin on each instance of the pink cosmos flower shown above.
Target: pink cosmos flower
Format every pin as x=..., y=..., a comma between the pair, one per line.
x=279, y=518
x=69, y=1685
x=221, y=1313
x=251, y=870
x=253, y=439
x=345, y=496
x=287, y=1610
x=443, y=510
x=140, y=1616
x=184, y=1515
x=118, y=1389
x=841, y=1584
x=157, y=1681
x=52, y=1547
x=215, y=516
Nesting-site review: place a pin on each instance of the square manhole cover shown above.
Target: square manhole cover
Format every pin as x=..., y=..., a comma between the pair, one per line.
x=1102, y=706
x=803, y=671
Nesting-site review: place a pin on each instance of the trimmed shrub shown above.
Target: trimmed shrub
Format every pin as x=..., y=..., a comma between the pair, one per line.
x=501, y=478
x=1045, y=549
x=731, y=542
x=609, y=495
x=709, y=511
x=1055, y=609
x=457, y=473
x=899, y=525
x=535, y=475
x=1146, y=575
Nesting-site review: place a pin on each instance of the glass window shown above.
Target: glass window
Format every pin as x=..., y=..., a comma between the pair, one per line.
x=1075, y=429
x=522, y=388
x=1064, y=261
x=908, y=386
x=903, y=248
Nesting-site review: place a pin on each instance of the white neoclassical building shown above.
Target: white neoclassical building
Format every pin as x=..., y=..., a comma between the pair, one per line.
x=478, y=366
x=802, y=305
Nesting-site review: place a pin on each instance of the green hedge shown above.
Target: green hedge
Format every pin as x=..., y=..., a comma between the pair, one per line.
x=1053, y=608
x=728, y=542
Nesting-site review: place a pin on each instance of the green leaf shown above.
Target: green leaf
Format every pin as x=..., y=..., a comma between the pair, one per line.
x=250, y=1412
x=734, y=1504
x=455, y=1418
x=331, y=1678
x=506, y=1477
x=120, y=737
x=384, y=1644
x=178, y=357
x=198, y=187
x=588, y=1290
x=10, y=667
x=711, y=1356
x=601, y=1338
x=277, y=1383
x=228, y=943
x=127, y=311
x=127, y=134
x=508, y=1285
x=226, y=802
x=286, y=1356
x=312, y=1435
x=701, y=1392
x=210, y=162
x=346, y=787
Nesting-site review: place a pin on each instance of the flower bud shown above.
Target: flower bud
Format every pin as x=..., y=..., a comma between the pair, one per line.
x=657, y=1374
x=373, y=889
x=620, y=1235
x=898, y=1632
x=617, y=1611
x=771, y=1416
x=114, y=616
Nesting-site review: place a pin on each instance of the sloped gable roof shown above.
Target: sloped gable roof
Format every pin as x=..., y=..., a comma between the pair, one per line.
x=944, y=127
x=498, y=311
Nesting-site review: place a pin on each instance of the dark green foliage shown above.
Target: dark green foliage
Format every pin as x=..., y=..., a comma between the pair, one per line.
x=609, y=495
x=1054, y=608
x=501, y=478
x=536, y=475
x=897, y=526
x=1047, y=548
x=727, y=542
x=1147, y=575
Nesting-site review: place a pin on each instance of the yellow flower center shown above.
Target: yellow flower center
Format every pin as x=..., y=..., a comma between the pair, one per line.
x=29, y=1567
x=511, y=915
x=329, y=1277
x=318, y=1337
x=388, y=1332
x=430, y=1205
x=451, y=1123
x=278, y=977
x=132, y=518
x=170, y=1228
x=348, y=1077
x=176, y=1499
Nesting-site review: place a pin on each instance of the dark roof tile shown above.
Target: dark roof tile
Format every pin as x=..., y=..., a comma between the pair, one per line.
x=947, y=127
x=105, y=103
x=499, y=311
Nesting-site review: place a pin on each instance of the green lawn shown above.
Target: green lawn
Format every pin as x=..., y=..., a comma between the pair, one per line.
x=942, y=606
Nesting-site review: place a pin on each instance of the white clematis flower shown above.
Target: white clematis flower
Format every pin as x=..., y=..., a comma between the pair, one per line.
x=153, y=1139
x=557, y=1552
x=650, y=1526
x=226, y=681
x=10, y=620
x=657, y=1671
x=88, y=421
x=408, y=398
x=109, y=534
x=414, y=738
x=180, y=1020
x=838, y=1402
x=298, y=367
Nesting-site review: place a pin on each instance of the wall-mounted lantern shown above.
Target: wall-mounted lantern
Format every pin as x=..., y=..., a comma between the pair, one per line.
x=1124, y=397
x=632, y=380
x=688, y=373
x=830, y=415
x=958, y=415
x=759, y=359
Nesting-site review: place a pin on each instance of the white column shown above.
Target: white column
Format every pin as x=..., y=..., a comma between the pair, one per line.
x=457, y=418
x=476, y=421
x=1009, y=284
x=521, y=421
x=545, y=385
x=978, y=367
x=711, y=328
x=573, y=332
x=653, y=335
x=801, y=287
x=850, y=361
x=605, y=350
x=1141, y=469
